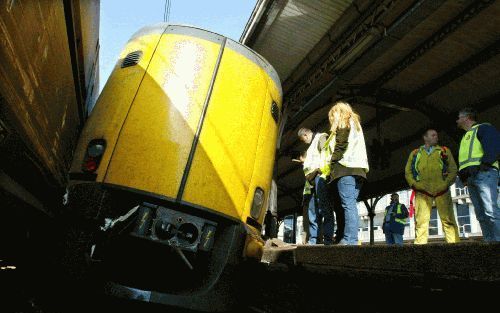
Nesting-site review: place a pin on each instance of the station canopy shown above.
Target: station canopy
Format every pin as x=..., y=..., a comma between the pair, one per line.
x=403, y=65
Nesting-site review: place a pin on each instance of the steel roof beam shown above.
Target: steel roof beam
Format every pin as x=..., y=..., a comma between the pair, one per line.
x=406, y=22
x=323, y=59
x=409, y=101
x=458, y=71
x=415, y=99
x=471, y=11
x=487, y=103
x=448, y=29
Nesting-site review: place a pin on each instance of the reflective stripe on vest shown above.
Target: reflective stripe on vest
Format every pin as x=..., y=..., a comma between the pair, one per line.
x=326, y=156
x=471, y=150
x=414, y=164
x=398, y=211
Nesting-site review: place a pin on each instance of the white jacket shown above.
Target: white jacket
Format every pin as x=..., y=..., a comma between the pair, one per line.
x=313, y=157
x=355, y=156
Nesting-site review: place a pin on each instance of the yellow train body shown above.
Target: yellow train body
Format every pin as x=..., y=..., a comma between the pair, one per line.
x=187, y=123
x=149, y=115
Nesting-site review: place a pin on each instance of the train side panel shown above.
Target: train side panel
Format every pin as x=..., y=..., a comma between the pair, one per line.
x=111, y=109
x=221, y=175
x=156, y=138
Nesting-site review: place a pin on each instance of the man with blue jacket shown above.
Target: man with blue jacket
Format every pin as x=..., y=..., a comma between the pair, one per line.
x=478, y=170
x=395, y=221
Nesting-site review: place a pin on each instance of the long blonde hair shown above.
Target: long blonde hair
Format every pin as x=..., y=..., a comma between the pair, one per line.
x=340, y=116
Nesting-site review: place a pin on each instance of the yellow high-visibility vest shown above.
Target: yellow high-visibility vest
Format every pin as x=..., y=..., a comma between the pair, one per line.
x=326, y=156
x=398, y=211
x=307, y=188
x=471, y=150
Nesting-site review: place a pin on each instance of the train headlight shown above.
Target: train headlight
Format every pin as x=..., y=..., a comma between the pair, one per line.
x=95, y=150
x=258, y=202
x=93, y=156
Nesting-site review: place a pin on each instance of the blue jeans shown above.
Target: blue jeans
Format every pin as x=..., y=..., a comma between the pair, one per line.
x=320, y=212
x=484, y=196
x=349, y=187
x=339, y=212
x=393, y=239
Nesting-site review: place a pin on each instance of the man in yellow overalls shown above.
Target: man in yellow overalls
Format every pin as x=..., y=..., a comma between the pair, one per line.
x=430, y=171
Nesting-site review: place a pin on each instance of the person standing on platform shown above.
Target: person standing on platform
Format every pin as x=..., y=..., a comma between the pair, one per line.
x=306, y=198
x=395, y=221
x=348, y=165
x=430, y=171
x=478, y=170
x=319, y=207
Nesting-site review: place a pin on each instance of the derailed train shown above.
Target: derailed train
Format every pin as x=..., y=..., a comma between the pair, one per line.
x=175, y=165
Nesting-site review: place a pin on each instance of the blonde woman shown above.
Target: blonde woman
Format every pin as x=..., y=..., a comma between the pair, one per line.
x=348, y=164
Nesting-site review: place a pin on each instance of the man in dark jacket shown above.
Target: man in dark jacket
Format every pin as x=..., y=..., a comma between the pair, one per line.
x=478, y=169
x=395, y=221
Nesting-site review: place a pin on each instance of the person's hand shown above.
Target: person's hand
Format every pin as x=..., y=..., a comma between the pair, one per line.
x=311, y=176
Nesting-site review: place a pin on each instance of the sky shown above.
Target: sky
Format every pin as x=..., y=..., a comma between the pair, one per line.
x=120, y=19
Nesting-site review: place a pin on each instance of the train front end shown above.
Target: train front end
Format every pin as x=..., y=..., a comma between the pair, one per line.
x=173, y=169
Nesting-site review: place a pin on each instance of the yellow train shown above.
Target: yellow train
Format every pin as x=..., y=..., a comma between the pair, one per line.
x=174, y=165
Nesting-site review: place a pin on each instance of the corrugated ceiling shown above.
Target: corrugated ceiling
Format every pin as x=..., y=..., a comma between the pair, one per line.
x=293, y=28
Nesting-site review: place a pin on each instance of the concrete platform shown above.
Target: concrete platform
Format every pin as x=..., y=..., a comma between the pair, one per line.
x=433, y=277
x=419, y=263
